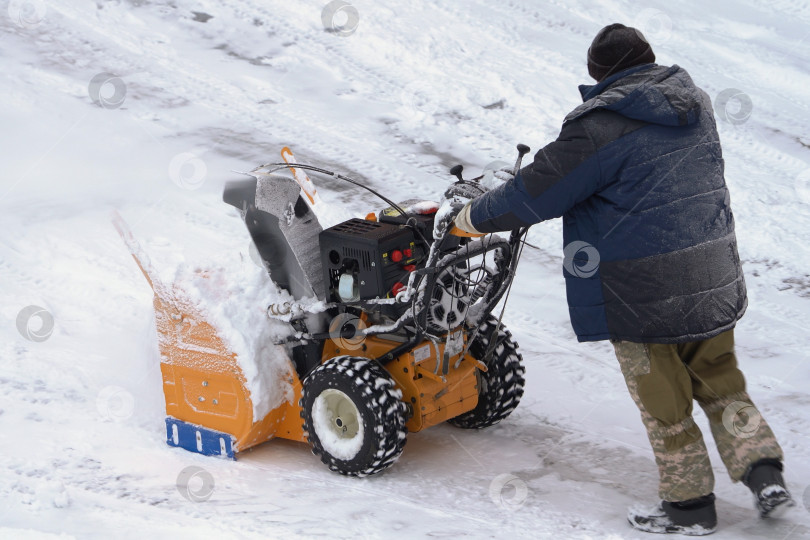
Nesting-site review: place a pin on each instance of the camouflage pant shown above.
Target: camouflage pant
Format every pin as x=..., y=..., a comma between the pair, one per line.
x=663, y=380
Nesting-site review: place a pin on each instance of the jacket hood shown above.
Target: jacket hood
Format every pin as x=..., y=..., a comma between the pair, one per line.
x=650, y=93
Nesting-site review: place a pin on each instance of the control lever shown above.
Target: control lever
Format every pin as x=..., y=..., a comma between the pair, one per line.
x=522, y=151
x=456, y=171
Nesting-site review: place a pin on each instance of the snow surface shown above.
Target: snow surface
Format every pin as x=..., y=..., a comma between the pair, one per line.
x=213, y=87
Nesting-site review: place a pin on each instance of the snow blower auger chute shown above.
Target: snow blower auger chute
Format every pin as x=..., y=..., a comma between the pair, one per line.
x=391, y=326
x=208, y=405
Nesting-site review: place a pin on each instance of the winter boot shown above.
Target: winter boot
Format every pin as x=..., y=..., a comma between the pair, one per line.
x=764, y=479
x=695, y=517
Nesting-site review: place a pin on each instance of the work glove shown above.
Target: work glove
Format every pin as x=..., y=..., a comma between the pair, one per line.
x=504, y=174
x=444, y=217
x=494, y=178
x=462, y=220
x=459, y=196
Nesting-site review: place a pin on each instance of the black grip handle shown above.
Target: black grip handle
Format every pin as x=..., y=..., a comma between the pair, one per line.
x=522, y=151
x=456, y=171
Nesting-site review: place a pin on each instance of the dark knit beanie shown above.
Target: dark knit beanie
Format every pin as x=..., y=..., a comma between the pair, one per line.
x=617, y=47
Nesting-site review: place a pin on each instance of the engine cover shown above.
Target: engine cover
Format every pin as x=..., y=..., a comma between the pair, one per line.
x=374, y=257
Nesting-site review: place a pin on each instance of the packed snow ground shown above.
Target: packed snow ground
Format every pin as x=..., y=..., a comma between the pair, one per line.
x=218, y=86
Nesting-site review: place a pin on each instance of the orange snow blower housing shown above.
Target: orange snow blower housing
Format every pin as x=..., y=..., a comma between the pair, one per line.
x=403, y=338
x=208, y=404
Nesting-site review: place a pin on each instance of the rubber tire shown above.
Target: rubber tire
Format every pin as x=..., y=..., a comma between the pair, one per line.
x=501, y=386
x=379, y=402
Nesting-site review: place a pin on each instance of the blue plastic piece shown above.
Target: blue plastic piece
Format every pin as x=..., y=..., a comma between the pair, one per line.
x=198, y=439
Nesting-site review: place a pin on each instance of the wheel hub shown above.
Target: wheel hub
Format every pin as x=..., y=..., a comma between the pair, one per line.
x=337, y=423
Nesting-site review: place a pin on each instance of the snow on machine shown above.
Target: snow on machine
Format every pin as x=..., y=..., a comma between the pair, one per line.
x=390, y=327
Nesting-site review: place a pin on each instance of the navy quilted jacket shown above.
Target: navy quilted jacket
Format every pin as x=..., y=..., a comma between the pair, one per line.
x=636, y=173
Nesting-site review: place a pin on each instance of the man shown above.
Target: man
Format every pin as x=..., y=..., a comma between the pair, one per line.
x=651, y=263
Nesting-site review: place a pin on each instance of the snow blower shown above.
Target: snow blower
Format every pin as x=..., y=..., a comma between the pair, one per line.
x=391, y=328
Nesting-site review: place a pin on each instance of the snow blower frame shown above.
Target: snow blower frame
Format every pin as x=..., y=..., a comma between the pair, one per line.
x=403, y=337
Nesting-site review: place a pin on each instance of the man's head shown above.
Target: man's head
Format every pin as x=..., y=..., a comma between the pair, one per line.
x=617, y=47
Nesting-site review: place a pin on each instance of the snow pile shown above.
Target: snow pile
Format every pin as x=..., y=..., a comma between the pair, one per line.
x=233, y=298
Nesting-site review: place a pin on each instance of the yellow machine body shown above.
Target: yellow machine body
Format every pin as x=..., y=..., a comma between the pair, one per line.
x=203, y=383
x=434, y=389
x=208, y=404
x=209, y=407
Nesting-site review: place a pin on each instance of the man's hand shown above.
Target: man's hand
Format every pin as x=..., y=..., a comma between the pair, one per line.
x=494, y=178
x=462, y=220
x=504, y=174
x=446, y=214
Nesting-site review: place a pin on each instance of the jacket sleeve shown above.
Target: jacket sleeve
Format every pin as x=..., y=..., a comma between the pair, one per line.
x=563, y=174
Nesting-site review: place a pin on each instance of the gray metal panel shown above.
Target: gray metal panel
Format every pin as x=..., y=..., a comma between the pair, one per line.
x=278, y=195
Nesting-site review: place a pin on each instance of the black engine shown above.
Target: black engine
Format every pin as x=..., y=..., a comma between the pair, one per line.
x=365, y=259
